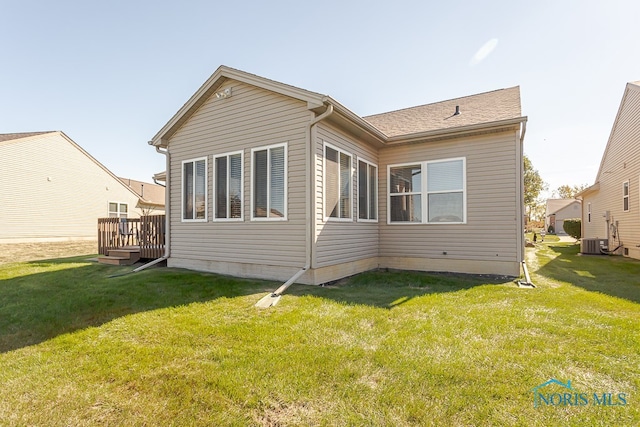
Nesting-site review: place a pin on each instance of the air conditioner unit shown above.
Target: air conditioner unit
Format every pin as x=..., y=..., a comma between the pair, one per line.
x=593, y=246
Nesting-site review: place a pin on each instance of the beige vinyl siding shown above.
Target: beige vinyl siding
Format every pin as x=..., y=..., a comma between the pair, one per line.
x=621, y=163
x=342, y=241
x=597, y=227
x=250, y=118
x=52, y=190
x=492, y=183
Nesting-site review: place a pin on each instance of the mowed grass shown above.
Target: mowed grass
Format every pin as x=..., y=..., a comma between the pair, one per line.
x=173, y=347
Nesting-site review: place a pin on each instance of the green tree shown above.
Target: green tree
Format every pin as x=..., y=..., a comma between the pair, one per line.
x=568, y=191
x=533, y=186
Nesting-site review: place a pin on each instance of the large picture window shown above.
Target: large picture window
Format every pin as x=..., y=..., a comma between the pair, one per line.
x=269, y=182
x=194, y=190
x=428, y=192
x=228, y=186
x=337, y=183
x=367, y=191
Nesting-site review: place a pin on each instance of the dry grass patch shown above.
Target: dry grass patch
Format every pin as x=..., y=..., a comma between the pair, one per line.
x=24, y=252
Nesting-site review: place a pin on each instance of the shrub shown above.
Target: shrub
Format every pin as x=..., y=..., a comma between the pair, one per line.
x=573, y=227
x=551, y=230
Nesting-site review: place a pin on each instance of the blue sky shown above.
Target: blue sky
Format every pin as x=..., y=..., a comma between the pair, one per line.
x=111, y=74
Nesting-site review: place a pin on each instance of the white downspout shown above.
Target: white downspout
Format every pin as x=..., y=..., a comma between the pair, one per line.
x=311, y=182
x=167, y=212
x=521, y=210
x=273, y=298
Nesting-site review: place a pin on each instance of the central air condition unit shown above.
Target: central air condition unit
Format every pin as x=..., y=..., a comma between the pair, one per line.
x=593, y=246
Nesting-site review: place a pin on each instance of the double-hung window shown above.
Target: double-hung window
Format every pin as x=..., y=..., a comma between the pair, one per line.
x=367, y=191
x=625, y=196
x=269, y=182
x=428, y=192
x=405, y=193
x=337, y=183
x=228, y=186
x=118, y=210
x=194, y=190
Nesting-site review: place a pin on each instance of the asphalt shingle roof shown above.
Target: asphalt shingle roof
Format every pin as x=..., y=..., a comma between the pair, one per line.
x=485, y=107
x=11, y=136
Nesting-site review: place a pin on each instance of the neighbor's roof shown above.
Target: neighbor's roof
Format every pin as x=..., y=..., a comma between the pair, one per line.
x=485, y=107
x=151, y=193
x=12, y=136
x=555, y=205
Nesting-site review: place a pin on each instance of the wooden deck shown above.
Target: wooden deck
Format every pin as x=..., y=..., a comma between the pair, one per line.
x=145, y=234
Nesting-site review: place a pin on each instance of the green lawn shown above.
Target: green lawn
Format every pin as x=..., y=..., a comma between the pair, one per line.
x=171, y=347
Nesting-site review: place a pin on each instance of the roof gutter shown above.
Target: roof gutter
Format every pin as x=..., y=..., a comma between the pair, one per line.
x=167, y=212
x=453, y=132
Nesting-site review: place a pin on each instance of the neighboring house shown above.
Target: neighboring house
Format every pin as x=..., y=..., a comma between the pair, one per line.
x=266, y=179
x=53, y=190
x=151, y=196
x=610, y=207
x=560, y=209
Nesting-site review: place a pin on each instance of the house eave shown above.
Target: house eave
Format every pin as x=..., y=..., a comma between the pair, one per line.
x=595, y=187
x=356, y=125
x=313, y=100
x=447, y=133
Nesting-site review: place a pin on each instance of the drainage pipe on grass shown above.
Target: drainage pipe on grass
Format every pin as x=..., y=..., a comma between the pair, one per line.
x=526, y=276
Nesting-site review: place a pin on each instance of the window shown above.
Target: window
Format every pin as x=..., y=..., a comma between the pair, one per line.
x=269, y=182
x=118, y=210
x=625, y=196
x=588, y=212
x=337, y=183
x=405, y=193
x=194, y=190
x=228, y=186
x=367, y=191
x=436, y=188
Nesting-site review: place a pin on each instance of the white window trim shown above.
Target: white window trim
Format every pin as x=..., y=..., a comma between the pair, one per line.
x=324, y=183
x=626, y=183
x=286, y=182
x=215, y=194
x=206, y=189
x=119, y=212
x=589, y=212
x=424, y=193
x=375, y=183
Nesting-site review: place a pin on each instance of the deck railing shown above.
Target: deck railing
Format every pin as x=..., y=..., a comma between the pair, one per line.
x=146, y=232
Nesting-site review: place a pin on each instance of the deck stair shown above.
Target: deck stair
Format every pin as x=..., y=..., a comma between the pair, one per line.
x=121, y=256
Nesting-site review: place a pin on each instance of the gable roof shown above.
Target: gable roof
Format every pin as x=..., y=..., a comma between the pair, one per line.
x=12, y=136
x=554, y=205
x=151, y=194
x=631, y=86
x=485, y=107
x=499, y=108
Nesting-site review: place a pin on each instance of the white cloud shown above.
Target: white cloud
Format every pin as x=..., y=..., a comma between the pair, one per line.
x=483, y=52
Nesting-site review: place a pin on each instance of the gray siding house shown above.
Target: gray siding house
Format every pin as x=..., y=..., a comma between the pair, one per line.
x=611, y=207
x=265, y=179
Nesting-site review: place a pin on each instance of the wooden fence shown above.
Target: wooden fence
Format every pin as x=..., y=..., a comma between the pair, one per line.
x=146, y=232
